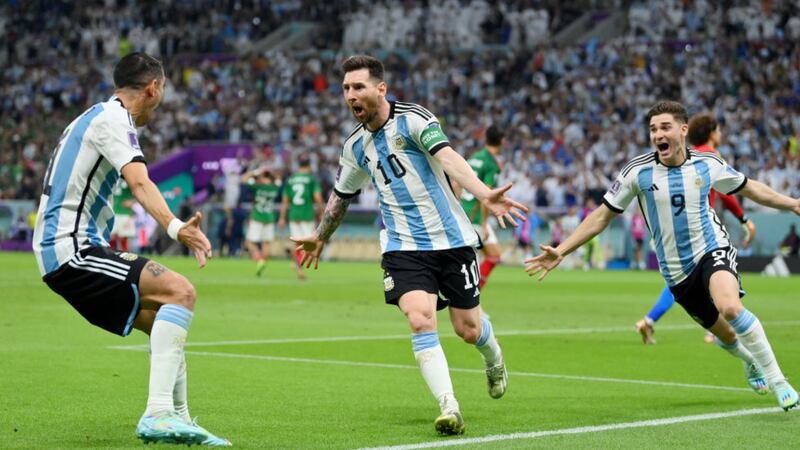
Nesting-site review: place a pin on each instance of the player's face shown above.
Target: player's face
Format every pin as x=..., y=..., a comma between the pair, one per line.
x=668, y=136
x=153, y=93
x=363, y=95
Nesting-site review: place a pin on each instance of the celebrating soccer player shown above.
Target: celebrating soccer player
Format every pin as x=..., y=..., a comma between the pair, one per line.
x=122, y=291
x=695, y=256
x=428, y=244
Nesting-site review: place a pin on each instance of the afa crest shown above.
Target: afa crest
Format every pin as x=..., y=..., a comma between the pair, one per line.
x=698, y=182
x=398, y=142
x=128, y=256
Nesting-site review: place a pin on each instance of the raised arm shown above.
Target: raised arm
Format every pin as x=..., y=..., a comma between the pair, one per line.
x=551, y=257
x=494, y=200
x=148, y=195
x=765, y=195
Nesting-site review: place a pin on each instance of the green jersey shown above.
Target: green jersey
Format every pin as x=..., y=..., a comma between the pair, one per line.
x=265, y=196
x=122, y=194
x=487, y=168
x=300, y=189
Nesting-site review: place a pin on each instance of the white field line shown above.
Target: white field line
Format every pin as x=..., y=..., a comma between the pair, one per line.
x=581, y=430
x=529, y=332
x=456, y=369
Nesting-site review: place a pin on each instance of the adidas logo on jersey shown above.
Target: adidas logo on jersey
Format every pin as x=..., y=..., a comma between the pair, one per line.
x=652, y=188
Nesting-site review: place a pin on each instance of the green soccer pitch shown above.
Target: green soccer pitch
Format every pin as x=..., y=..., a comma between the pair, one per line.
x=278, y=363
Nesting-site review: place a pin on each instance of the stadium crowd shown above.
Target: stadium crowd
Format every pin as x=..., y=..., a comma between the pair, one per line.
x=572, y=114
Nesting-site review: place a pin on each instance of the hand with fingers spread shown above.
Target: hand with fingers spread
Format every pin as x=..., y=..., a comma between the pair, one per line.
x=192, y=236
x=544, y=262
x=503, y=207
x=312, y=249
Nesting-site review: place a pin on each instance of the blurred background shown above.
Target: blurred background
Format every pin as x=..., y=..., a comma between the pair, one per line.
x=256, y=84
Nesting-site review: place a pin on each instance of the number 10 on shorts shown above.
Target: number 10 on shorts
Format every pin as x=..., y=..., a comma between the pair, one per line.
x=476, y=276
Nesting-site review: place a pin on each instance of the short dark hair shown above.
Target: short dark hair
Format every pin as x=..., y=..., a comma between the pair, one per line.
x=677, y=110
x=357, y=62
x=700, y=128
x=494, y=135
x=137, y=69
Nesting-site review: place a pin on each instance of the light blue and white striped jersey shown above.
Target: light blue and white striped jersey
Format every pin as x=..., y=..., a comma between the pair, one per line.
x=417, y=203
x=674, y=202
x=75, y=210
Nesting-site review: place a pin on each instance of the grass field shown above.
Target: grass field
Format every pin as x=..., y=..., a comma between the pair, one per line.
x=275, y=363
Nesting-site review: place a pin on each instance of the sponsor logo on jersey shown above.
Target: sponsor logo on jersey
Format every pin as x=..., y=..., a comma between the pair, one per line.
x=615, y=187
x=652, y=188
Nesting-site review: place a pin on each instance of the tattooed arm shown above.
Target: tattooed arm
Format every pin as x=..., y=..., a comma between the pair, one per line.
x=312, y=245
x=332, y=217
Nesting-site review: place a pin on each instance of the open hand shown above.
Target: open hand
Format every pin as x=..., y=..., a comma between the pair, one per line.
x=544, y=262
x=192, y=236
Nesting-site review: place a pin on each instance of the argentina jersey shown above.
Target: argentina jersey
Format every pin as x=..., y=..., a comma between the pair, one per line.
x=674, y=203
x=418, y=206
x=75, y=210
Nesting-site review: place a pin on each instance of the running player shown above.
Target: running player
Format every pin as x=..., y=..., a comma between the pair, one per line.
x=487, y=167
x=261, y=227
x=428, y=244
x=302, y=201
x=704, y=135
x=696, y=258
x=122, y=291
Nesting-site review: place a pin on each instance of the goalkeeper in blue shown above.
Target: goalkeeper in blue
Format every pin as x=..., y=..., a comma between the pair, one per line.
x=695, y=256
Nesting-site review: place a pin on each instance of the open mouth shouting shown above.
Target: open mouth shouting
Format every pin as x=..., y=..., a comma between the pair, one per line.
x=663, y=148
x=358, y=111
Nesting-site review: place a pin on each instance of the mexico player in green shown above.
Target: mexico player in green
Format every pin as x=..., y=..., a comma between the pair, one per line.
x=302, y=201
x=487, y=167
x=124, y=223
x=261, y=227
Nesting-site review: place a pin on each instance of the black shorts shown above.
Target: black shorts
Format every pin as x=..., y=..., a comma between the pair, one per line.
x=102, y=285
x=452, y=273
x=693, y=293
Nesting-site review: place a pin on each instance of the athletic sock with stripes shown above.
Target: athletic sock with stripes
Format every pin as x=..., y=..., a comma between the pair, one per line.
x=166, y=352
x=752, y=335
x=432, y=363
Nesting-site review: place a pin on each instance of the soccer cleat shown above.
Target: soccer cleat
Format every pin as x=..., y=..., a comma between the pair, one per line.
x=497, y=379
x=756, y=378
x=786, y=395
x=260, y=266
x=450, y=422
x=645, y=328
x=168, y=428
x=211, y=440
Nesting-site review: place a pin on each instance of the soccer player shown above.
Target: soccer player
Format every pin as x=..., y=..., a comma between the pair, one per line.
x=428, y=244
x=704, y=135
x=487, y=167
x=124, y=224
x=694, y=253
x=261, y=227
x=122, y=291
x=302, y=198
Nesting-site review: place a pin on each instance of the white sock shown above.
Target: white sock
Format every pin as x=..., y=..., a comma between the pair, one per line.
x=736, y=349
x=179, y=397
x=487, y=344
x=432, y=363
x=752, y=336
x=166, y=351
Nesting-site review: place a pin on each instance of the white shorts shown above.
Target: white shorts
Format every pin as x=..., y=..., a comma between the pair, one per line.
x=124, y=226
x=260, y=231
x=491, y=239
x=300, y=229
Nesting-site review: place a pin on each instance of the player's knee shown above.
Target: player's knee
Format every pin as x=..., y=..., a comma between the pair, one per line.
x=184, y=294
x=468, y=332
x=420, y=321
x=730, y=311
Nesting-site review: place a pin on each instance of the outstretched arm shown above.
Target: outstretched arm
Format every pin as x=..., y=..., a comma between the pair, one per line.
x=551, y=257
x=765, y=195
x=312, y=245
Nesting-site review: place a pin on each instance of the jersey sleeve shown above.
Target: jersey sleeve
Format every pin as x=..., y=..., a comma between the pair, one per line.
x=350, y=177
x=726, y=179
x=428, y=133
x=621, y=193
x=118, y=143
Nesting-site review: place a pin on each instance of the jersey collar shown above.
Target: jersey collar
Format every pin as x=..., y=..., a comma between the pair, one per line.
x=117, y=99
x=688, y=157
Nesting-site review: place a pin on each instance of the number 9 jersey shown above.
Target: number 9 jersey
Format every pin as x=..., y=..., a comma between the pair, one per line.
x=674, y=203
x=417, y=203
